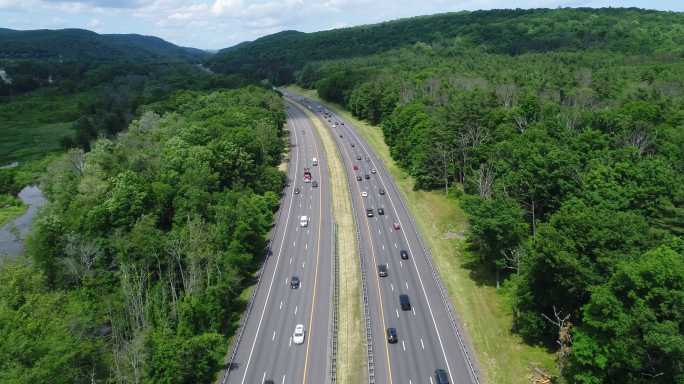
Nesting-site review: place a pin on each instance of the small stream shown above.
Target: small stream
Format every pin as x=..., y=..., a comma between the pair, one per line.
x=13, y=234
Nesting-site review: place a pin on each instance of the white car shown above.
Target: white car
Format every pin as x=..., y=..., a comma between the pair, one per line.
x=374, y=170
x=304, y=221
x=364, y=194
x=298, y=335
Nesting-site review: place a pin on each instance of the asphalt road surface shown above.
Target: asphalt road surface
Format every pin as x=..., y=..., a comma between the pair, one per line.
x=427, y=340
x=267, y=350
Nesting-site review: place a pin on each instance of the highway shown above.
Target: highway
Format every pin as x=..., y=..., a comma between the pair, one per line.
x=266, y=349
x=427, y=337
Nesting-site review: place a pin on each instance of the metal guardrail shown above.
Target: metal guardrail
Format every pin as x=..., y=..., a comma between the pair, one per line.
x=364, y=291
x=366, y=310
x=246, y=314
x=250, y=305
x=453, y=319
x=336, y=306
x=455, y=323
x=364, y=285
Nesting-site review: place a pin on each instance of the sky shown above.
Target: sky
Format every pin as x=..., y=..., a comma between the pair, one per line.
x=216, y=24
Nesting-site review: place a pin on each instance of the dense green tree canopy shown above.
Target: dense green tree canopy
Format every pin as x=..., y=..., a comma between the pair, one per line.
x=564, y=128
x=146, y=243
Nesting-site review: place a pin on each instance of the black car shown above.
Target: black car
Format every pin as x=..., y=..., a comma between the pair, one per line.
x=314, y=184
x=369, y=212
x=358, y=178
x=269, y=382
x=381, y=211
x=353, y=145
x=404, y=254
x=441, y=376
x=381, y=191
x=296, y=191
x=294, y=282
x=391, y=335
x=358, y=157
x=366, y=176
x=341, y=136
x=382, y=270
x=405, y=302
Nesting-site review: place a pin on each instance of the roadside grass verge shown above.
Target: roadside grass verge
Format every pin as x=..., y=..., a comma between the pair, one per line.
x=351, y=356
x=485, y=313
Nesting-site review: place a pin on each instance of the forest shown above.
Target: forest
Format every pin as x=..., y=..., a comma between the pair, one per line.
x=559, y=132
x=135, y=269
x=566, y=149
x=278, y=57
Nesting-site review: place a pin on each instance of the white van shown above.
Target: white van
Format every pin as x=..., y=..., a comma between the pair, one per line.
x=303, y=221
x=314, y=161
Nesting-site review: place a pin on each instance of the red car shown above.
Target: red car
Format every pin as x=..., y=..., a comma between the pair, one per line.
x=356, y=167
x=396, y=226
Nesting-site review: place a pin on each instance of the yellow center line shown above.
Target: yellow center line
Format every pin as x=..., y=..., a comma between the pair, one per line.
x=318, y=249
x=377, y=280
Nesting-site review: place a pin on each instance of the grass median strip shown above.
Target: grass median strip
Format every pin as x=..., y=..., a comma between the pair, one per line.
x=350, y=351
x=485, y=314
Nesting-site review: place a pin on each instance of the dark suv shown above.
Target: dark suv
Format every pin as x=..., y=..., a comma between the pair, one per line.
x=391, y=335
x=441, y=376
x=382, y=270
x=294, y=282
x=403, y=254
x=405, y=302
x=381, y=211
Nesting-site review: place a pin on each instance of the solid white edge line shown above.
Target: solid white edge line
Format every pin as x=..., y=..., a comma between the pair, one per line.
x=420, y=279
x=275, y=270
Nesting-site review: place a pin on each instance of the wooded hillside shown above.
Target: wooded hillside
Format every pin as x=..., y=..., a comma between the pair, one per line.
x=562, y=133
x=141, y=255
x=277, y=57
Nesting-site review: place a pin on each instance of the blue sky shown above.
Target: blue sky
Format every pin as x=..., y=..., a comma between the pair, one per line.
x=215, y=24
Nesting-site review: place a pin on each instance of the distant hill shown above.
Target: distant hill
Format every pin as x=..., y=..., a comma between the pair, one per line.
x=84, y=45
x=276, y=57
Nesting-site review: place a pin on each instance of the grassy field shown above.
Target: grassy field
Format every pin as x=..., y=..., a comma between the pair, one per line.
x=351, y=355
x=32, y=125
x=10, y=208
x=502, y=356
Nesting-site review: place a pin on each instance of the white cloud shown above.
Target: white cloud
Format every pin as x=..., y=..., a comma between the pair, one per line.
x=224, y=6
x=95, y=24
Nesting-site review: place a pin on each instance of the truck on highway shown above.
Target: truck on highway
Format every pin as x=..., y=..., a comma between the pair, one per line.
x=307, y=175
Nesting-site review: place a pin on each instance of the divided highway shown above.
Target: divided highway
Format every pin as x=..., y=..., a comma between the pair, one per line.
x=267, y=349
x=427, y=337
